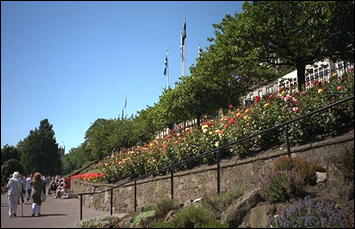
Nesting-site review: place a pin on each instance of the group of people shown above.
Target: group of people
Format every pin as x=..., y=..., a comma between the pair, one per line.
x=59, y=188
x=33, y=188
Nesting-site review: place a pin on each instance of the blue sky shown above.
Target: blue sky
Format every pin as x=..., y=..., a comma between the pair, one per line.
x=75, y=62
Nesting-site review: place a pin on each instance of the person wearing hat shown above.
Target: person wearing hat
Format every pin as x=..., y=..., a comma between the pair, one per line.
x=14, y=187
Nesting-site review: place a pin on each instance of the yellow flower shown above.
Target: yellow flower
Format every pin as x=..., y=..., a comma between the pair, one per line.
x=246, y=117
x=320, y=91
x=283, y=93
x=204, y=130
x=216, y=144
x=266, y=105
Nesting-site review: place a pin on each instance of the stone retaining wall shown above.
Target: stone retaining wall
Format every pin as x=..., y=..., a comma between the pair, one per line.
x=196, y=183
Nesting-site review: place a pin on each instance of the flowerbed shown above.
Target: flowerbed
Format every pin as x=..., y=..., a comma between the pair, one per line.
x=89, y=176
x=241, y=122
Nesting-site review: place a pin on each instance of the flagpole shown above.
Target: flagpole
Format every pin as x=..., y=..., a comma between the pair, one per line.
x=184, y=50
x=167, y=69
x=182, y=55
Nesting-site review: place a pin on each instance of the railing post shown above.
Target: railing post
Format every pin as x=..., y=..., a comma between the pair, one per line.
x=218, y=174
x=111, y=210
x=287, y=141
x=172, y=183
x=135, y=195
x=81, y=206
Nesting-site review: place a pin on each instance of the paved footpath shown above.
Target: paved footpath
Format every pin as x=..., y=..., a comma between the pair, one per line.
x=56, y=213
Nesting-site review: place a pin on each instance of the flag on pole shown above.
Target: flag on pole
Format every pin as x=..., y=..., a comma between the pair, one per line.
x=181, y=49
x=166, y=63
x=183, y=36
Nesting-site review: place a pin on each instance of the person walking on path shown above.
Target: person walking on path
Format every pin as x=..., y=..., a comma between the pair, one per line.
x=38, y=189
x=14, y=187
x=28, y=187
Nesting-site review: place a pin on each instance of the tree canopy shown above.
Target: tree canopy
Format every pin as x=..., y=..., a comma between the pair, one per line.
x=294, y=33
x=39, y=150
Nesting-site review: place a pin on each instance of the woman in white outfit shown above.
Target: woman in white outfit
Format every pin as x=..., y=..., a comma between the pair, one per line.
x=14, y=187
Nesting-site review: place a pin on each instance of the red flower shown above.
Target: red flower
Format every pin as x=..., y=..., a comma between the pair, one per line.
x=231, y=120
x=165, y=146
x=225, y=126
x=257, y=98
x=316, y=83
x=281, y=89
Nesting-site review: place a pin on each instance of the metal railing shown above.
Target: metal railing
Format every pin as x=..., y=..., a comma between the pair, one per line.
x=170, y=168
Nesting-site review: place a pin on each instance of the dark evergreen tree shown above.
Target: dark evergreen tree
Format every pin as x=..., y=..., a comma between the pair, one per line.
x=39, y=150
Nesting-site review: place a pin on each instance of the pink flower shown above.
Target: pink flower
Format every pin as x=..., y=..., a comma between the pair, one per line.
x=295, y=109
x=230, y=106
x=339, y=88
x=287, y=98
x=294, y=100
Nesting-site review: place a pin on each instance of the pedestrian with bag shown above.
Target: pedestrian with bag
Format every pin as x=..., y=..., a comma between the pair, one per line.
x=38, y=189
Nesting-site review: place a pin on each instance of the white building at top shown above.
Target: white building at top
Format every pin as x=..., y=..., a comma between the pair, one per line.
x=320, y=71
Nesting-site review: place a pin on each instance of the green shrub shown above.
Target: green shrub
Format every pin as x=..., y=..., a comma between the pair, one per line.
x=307, y=170
x=219, y=202
x=8, y=167
x=100, y=222
x=166, y=205
x=164, y=224
x=144, y=215
x=215, y=224
x=193, y=216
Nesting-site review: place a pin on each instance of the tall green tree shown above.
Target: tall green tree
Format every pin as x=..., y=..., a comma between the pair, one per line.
x=39, y=150
x=295, y=33
x=75, y=159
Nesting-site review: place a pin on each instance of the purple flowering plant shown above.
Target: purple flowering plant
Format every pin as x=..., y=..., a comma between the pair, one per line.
x=308, y=213
x=281, y=185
